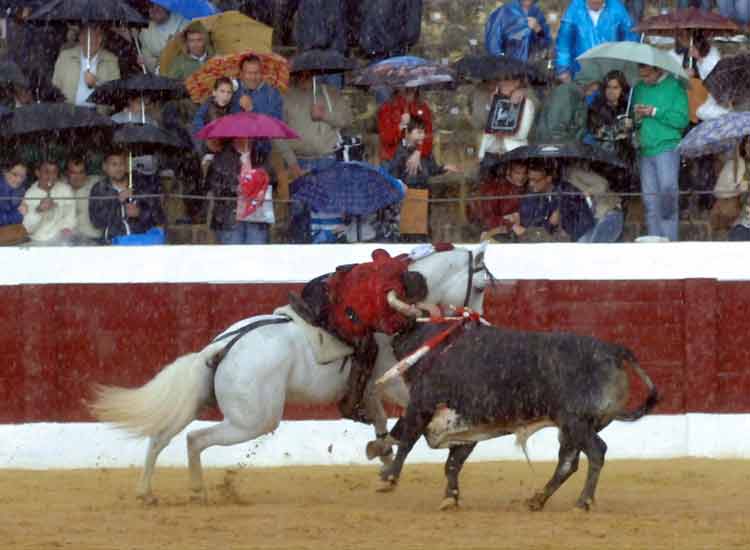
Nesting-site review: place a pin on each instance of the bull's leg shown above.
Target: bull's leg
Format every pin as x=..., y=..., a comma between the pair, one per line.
x=567, y=464
x=453, y=465
x=382, y=446
x=595, y=450
x=413, y=425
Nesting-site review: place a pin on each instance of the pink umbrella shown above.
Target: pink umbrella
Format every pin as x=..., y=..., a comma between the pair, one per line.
x=247, y=125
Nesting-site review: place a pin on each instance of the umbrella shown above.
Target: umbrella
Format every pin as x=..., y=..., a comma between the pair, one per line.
x=189, y=9
x=156, y=88
x=569, y=151
x=144, y=139
x=404, y=72
x=30, y=120
x=597, y=69
x=632, y=52
x=200, y=84
x=718, y=135
x=687, y=19
x=230, y=31
x=321, y=61
x=247, y=125
x=354, y=188
x=491, y=67
x=10, y=74
x=89, y=11
x=729, y=81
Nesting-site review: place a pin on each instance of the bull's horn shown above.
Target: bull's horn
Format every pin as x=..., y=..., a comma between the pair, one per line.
x=401, y=306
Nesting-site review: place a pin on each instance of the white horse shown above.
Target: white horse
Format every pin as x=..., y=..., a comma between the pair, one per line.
x=265, y=368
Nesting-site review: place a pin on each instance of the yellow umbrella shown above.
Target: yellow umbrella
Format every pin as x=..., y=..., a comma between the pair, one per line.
x=230, y=32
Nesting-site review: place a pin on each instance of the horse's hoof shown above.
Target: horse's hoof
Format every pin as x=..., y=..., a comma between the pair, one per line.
x=147, y=500
x=584, y=505
x=535, y=503
x=378, y=448
x=385, y=486
x=449, y=503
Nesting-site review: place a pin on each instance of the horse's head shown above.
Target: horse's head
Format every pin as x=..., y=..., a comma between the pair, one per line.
x=456, y=277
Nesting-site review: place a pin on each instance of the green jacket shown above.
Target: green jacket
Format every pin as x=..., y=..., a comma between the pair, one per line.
x=184, y=64
x=563, y=116
x=664, y=130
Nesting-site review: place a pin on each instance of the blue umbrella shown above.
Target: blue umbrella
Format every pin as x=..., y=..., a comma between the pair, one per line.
x=354, y=188
x=718, y=135
x=189, y=9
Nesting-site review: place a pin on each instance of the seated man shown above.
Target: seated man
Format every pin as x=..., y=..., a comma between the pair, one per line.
x=554, y=206
x=122, y=214
x=494, y=216
x=82, y=183
x=78, y=70
x=198, y=50
x=162, y=26
x=50, y=209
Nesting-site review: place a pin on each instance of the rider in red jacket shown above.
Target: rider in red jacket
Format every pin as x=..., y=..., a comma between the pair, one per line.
x=356, y=301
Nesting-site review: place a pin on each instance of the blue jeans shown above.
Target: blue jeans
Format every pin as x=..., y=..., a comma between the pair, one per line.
x=659, y=184
x=738, y=10
x=245, y=233
x=606, y=230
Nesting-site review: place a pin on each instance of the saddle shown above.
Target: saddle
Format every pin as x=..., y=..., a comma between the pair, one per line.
x=325, y=346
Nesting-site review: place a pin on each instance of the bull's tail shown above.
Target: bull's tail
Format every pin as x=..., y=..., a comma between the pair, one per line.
x=653, y=395
x=167, y=403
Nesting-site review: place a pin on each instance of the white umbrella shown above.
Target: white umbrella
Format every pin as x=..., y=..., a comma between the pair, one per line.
x=633, y=52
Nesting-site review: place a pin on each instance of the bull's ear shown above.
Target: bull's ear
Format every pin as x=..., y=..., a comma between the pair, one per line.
x=479, y=252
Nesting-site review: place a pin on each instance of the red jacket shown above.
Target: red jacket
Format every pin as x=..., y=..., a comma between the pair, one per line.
x=490, y=213
x=358, y=297
x=389, y=120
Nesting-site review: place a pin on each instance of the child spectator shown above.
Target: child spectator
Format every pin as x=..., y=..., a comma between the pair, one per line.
x=216, y=106
x=427, y=167
x=113, y=209
x=50, y=216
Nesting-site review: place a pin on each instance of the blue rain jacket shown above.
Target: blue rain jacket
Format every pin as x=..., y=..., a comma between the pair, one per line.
x=578, y=34
x=507, y=31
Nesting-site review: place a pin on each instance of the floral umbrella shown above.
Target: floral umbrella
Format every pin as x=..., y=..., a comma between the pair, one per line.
x=718, y=135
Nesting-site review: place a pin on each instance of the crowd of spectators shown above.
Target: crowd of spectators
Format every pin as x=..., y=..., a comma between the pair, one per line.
x=639, y=122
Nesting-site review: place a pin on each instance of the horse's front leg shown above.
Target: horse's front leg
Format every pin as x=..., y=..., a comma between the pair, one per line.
x=382, y=446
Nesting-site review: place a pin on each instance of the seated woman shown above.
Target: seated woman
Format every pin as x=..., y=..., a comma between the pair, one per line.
x=733, y=180
x=610, y=128
x=494, y=216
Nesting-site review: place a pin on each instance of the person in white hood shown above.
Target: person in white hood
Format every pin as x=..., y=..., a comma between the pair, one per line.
x=162, y=27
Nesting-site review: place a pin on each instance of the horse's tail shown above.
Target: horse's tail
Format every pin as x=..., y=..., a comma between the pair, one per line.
x=167, y=403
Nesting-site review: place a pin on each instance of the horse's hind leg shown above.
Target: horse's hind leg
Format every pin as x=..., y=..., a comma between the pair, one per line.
x=224, y=433
x=156, y=445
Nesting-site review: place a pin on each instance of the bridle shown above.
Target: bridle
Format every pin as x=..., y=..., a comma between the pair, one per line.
x=473, y=271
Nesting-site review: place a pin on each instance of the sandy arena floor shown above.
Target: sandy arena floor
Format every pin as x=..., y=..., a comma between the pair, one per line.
x=682, y=505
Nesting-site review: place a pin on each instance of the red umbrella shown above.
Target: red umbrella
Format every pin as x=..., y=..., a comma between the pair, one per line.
x=247, y=125
x=687, y=19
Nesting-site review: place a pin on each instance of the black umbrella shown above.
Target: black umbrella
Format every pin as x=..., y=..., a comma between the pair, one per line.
x=571, y=151
x=156, y=88
x=52, y=118
x=89, y=11
x=729, y=81
x=145, y=139
x=490, y=67
x=10, y=74
x=18, y=4
x=322, y=61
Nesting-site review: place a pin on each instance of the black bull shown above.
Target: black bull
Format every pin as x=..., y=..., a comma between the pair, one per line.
x=487, y=382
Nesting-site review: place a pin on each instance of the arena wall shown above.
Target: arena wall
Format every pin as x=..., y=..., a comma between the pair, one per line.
x=75, y=316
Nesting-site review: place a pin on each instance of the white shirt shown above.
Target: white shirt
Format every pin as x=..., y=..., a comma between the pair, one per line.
x=48, y=226
x=595, y=15
x=83, y=92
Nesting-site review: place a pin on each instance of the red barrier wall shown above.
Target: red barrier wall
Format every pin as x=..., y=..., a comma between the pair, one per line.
x=57, y=340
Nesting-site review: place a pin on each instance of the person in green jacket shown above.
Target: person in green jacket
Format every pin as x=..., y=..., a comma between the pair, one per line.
x=660, y=106
x=198, y=50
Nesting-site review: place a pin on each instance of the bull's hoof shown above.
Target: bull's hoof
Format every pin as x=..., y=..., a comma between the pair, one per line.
x=584, y=505
x=449, y=503
x=536, y=503
x=386, y=485
x=147, y=500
